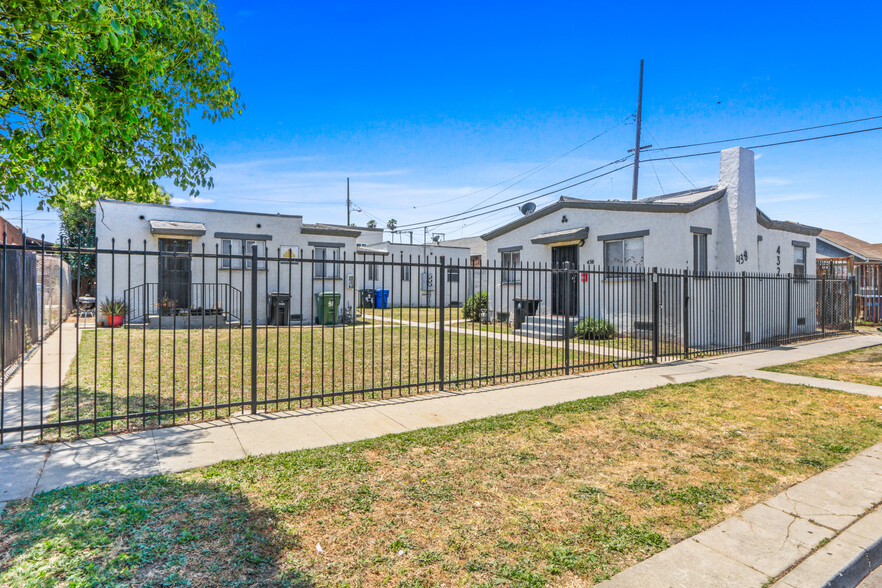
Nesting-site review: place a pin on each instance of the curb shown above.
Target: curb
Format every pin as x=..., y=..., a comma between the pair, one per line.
x=859, y=568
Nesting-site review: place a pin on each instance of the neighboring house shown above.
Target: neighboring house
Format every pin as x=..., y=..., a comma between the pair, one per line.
x=12, y=233
x=410, y=272
x=171, y=275
x=712, y=229
x=837, y=245
x=477, y=248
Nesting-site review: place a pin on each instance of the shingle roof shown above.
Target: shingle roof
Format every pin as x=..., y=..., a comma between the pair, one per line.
x=862, y=248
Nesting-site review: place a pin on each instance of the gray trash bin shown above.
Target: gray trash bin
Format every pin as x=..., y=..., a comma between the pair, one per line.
x=279, y=308
x=524, y=307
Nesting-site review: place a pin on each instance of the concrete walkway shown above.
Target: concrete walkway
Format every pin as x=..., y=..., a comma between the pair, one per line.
x=30, y=400
x=28, y=469
x=593, y=348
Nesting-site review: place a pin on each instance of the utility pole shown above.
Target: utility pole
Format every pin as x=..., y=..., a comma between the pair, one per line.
x=637, y=143
x=348, y=202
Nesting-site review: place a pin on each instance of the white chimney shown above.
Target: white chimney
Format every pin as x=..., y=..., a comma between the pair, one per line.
x=738, y=218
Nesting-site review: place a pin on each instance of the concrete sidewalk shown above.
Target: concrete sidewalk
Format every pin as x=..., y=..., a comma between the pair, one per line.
x=806, y=537
x=28, y=469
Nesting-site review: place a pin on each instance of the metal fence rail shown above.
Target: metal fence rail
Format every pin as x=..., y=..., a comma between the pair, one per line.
x=207, y=335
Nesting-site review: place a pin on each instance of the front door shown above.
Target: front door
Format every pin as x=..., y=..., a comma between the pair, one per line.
x=174, y=273
x=564, y=286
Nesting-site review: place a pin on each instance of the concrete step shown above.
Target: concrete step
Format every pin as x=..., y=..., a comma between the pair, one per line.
x=182, y=322
x=543, y=335
x=548, y=320
x=547, y=328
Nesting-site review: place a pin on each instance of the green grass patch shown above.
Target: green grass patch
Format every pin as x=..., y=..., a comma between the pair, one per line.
x=565, y=494
x=861, y=366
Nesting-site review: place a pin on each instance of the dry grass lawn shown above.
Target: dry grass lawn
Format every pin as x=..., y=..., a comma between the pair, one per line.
x=861, y=366
x=130, y=372
x=559, y=496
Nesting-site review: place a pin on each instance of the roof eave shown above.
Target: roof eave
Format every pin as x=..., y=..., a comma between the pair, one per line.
x=620, y=205
x=763, y=220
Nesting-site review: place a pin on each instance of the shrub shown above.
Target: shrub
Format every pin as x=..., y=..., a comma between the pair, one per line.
x=474, y=306
x=595, y=328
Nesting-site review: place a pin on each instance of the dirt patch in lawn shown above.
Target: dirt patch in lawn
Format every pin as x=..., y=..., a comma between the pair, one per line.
x=563, y=495
x=861, y=366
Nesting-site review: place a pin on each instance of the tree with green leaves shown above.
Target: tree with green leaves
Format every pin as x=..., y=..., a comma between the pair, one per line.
x=98, y=94
x=372, y=224
x=79, y=214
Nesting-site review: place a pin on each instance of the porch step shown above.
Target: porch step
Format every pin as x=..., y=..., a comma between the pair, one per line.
x=547, y=328
x=154, y=321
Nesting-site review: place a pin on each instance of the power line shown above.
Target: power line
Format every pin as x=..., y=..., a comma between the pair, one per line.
x=529, y=173
x=458, y=218
x=847, y=122
x=524, y=195
x=767, y=144
x=671, y=162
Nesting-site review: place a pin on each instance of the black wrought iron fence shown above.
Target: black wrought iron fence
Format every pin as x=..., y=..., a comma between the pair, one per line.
x=208, y=334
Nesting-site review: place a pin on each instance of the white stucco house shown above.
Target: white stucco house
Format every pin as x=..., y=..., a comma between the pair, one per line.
x=410, y=272
x=713, y=229
x=194, y=259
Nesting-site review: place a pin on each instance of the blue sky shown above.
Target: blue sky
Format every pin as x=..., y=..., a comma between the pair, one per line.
x=425, y=105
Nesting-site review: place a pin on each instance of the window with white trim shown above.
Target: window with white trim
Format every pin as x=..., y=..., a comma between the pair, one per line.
x=699, y=253
x=232, y=251
x=799, y=262
x=511, y=260
x=325, y=265
x=373, y=272
x=623, y=253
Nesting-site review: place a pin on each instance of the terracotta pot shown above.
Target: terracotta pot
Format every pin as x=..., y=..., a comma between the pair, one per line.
x=116, y=320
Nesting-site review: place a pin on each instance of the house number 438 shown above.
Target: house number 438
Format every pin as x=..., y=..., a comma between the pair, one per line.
x=741, y=258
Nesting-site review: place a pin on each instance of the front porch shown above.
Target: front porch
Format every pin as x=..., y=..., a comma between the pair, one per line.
x=183, y=306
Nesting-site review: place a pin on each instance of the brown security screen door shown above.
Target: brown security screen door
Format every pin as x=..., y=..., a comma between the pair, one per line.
x=564, y=286
x=174, y=271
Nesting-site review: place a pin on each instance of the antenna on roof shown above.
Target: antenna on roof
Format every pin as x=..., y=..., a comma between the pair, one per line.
x=527, y=208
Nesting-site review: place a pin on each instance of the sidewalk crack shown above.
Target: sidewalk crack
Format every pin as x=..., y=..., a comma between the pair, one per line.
x=42, y=468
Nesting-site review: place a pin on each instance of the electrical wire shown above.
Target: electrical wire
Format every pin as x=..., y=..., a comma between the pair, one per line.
x=530, y=172
x=457, y=218
x=768, y=144
x=525, y=194
x=847, y=122
x=654, y=140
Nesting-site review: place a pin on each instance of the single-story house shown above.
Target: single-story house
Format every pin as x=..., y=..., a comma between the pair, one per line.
x=833, y=244
x=200, y=258
x=712, y=229
x=410, y=272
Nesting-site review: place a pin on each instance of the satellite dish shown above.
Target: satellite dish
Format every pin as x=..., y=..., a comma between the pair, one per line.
x=527, y=208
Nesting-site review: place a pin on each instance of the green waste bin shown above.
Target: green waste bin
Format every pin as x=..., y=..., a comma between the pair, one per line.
x=327, y=306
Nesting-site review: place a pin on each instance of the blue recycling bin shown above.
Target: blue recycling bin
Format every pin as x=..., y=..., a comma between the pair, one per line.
x=381, y=298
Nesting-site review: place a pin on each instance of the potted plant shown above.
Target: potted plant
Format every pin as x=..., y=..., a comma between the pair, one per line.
x=115, y=311
x=167, y=306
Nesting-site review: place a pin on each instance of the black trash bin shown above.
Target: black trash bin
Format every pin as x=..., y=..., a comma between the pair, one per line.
x=524, y=307
x=366, y=298
x=279, y=308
